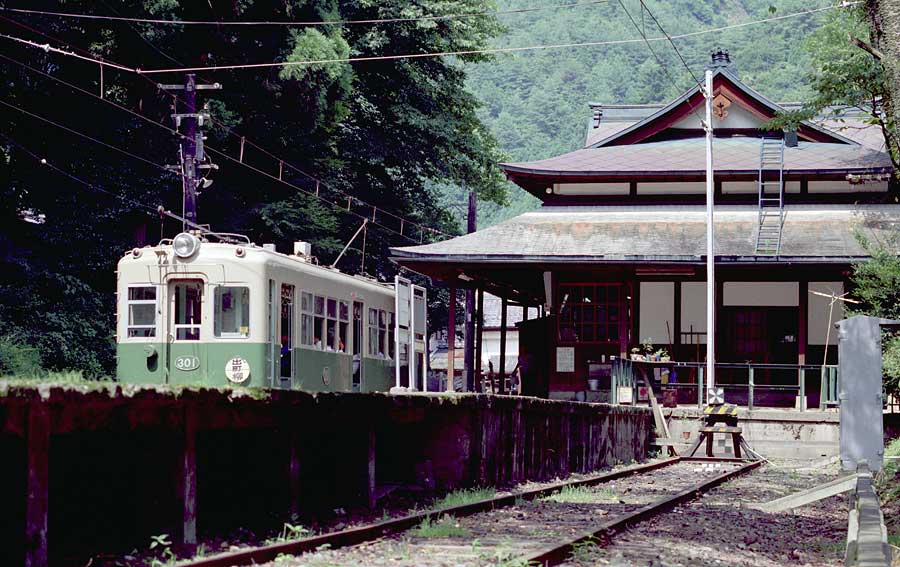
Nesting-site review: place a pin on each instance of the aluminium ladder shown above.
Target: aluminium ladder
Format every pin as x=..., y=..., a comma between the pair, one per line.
x=771, y=197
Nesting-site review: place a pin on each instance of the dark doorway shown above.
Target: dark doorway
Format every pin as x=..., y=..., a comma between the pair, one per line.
x=766, y=335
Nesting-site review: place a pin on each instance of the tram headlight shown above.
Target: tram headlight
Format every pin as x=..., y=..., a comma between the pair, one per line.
x=185, y=245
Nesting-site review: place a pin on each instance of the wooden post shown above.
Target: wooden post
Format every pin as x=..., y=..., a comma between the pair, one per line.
x=479, y=331
x=294, y=471
x=370, y=471
x=38, y=486
x=189, y=479
x=451, y=337
x=676, y=323
x=469, y=345
x=501, y=389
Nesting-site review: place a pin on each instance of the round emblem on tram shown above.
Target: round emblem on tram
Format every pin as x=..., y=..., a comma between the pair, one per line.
x=237, y=370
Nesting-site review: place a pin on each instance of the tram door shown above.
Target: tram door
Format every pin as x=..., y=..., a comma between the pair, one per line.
x=184, y=317
x=410, y=326
x=358, y=311
x=287, y=336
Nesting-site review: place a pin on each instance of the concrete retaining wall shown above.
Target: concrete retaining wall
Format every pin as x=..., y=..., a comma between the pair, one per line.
x=90, y=469
x=773, y=433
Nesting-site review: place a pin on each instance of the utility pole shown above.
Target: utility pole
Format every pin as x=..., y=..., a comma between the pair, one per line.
x=191, y=148
x=710, y=249
x=469, y=353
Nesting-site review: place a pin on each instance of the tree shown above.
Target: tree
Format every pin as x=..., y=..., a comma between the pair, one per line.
x=384, y=132
x=845, y=77
x=876, y=284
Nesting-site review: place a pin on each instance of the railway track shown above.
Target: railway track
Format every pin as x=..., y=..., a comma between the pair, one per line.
x=537, y=527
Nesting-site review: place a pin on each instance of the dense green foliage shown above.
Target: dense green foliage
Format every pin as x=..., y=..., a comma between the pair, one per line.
x=536, y=102
x=843, y=76
x=386, y=132
x=876, y=285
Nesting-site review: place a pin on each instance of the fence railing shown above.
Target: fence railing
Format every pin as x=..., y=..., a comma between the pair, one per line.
x=744, y=384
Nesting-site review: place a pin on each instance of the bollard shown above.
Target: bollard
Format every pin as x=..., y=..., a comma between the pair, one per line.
x=750, y=386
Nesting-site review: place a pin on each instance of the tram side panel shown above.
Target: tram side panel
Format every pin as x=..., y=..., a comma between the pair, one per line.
x=259, y=319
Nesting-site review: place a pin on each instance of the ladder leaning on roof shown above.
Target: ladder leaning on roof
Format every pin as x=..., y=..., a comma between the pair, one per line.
x=771, y=196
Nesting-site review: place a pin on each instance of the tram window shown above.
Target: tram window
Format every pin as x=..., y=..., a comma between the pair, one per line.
x=373, y=334
x=343, y=325
x=319, y=322
x=188, y=302
x=390, y=330
x=142, y=311
x=382, y=332
x=331, y=333
x=232, y=312
x=306, y=319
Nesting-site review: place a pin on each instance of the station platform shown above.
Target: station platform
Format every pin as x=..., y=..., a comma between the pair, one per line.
x=772, y=432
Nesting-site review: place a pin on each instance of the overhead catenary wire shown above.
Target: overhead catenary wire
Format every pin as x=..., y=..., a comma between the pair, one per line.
x=291, y=23
x=334, y=204
x=489, y=50
x=282, y=163
x=49, y=163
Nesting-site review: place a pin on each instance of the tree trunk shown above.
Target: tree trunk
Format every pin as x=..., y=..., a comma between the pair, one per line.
x=884, y=23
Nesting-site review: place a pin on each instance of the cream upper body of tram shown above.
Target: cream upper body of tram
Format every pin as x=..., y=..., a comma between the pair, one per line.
x=193, y=312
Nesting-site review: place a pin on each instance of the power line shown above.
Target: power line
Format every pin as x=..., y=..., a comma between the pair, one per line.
x=659, y=61
x=675, y=47
x=282, y=163
x=73, y=177
x=87, y=137
x=289, y=23
x=341, y=206
x=441, y=53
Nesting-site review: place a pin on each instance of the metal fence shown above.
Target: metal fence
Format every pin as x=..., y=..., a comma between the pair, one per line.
x=802, y=386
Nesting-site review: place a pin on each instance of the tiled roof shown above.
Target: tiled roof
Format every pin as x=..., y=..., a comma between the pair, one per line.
x=688, y=156
x=661, y=233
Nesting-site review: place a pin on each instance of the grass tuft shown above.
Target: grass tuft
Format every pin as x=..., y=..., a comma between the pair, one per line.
x=583, y=495
x=462, y=497
x=446, y=527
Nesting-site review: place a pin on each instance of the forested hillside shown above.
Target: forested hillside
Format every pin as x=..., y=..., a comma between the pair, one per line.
x=535, y=102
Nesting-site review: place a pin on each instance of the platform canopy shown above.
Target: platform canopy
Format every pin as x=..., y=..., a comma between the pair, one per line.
x=514, y=253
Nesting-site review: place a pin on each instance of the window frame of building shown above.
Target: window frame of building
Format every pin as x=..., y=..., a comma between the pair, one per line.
x=574, y=314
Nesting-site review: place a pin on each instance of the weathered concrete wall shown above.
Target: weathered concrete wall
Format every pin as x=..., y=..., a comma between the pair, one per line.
x=773, y=433
x=90, y=469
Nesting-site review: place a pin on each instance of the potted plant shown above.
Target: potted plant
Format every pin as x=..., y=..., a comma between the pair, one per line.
x=636, y=354
x=648, y=348
x=663, y=355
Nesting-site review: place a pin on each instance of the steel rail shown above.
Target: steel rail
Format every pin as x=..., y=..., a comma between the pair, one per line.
x=561, y=553
x=361, y=534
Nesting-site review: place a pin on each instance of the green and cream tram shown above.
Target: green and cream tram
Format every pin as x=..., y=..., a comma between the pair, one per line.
x=194, y=312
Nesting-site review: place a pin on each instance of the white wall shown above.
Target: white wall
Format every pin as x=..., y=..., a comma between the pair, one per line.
x=752, y=187
x=762, y=294
x=817, y=314
x=663, y=188
x=657, y=306
x=490, y=348
x=693, y=309
x=737, y=118
x=591, y=188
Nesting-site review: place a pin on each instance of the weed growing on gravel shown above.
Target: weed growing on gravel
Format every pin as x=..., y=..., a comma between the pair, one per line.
x=586, y=552
x=446, y=527
x=504, y=557
x=461, y=497
x=888, y=487
x=583, y=495
x=830, y=549
x=289, y=532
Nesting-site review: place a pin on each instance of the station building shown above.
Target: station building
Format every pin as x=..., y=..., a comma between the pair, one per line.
x=616, y=254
